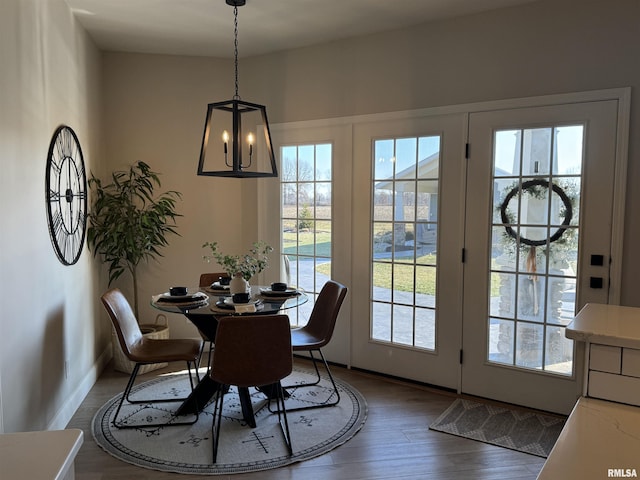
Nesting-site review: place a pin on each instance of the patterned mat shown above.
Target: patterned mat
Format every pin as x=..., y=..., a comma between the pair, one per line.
x=520, y=430
x=188, y=449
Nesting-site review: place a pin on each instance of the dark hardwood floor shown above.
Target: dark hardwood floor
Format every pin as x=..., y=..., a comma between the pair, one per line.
x=395, y=442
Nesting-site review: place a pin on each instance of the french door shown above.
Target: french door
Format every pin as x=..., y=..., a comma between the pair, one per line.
x=469, y=237
x=538, y=246
x=407, y=241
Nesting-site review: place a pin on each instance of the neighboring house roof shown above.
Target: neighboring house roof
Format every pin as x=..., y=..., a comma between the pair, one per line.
x=428, y=168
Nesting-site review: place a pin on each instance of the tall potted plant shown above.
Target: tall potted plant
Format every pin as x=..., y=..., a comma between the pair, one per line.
x=129, y=223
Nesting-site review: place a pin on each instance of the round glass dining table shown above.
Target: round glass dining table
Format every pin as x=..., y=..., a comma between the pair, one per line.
x=204, y=315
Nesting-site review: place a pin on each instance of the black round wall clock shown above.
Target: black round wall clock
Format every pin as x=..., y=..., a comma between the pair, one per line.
x=66, y=195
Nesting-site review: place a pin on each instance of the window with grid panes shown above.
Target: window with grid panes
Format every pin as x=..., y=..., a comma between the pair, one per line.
x=306, y=219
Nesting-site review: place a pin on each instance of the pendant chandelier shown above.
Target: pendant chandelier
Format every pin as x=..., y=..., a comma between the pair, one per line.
x=236, y=131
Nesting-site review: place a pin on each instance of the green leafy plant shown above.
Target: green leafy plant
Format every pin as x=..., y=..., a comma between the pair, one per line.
x=128, y=223
x=248, y=264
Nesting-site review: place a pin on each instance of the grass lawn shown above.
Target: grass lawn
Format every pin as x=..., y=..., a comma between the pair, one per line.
x=404, y=269
x=308, y=243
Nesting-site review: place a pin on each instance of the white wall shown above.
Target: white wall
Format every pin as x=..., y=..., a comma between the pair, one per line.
x=50, y=75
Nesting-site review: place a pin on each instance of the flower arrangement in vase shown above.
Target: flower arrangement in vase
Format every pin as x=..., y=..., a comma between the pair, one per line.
x=242, y=266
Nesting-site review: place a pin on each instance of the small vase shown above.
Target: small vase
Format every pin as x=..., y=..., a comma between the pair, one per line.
x=238, y=285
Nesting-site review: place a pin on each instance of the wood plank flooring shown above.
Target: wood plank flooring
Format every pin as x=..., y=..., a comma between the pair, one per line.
x=395, y=442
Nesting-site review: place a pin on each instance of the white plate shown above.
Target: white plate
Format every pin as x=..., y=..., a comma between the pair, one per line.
x=184, y=298
x=229, y=301
x=220, y=292
x=289, y=292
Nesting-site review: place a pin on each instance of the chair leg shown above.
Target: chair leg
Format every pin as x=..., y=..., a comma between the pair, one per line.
x=283, y=427
x=127, y=392
x=217, y=419
x=315, y=366
x=209, y=358
x=335, y=392
x=201, y=354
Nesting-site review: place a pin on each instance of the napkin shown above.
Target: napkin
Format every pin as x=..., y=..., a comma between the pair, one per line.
x=248, y=308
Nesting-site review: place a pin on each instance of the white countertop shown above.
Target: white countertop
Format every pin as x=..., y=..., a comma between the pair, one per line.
x=606, y=324
x=46, y=455
x=598, y=436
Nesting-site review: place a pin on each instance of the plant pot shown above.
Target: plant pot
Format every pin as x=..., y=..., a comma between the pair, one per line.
x=157, y=331
x=238, y=285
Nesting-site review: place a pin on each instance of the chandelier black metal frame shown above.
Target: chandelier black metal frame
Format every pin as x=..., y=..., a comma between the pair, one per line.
x=230, y=147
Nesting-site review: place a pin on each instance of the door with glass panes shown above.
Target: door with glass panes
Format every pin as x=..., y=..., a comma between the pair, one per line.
x=463, y=265
x=538, y=228
x=408, y=237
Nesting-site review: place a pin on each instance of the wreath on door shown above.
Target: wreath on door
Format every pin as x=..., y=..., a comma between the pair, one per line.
x=538, y=188
x=535, y=188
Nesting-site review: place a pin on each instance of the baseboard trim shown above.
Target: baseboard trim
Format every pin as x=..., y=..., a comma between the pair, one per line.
x=66, y=412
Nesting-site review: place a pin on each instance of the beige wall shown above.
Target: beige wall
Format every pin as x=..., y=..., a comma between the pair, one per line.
x=156, y=104
x=154, y=111
x=544, y=47
x=541, y=48
x=50, y=75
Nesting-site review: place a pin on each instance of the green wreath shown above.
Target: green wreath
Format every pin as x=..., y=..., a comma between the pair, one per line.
x=530, y=186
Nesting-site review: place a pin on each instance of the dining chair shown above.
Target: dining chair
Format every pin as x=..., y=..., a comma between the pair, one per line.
x=251, y=351
x=317, y=333
x=142, y=351
x=206, y=279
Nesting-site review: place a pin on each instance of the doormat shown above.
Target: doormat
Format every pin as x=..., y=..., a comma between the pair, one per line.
x=187, y=449
x=520, y=430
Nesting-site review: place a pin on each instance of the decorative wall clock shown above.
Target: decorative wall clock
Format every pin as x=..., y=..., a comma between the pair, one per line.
x=66, y=195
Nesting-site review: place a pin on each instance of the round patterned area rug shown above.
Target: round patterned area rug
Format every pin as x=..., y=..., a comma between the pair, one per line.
x=188, y=449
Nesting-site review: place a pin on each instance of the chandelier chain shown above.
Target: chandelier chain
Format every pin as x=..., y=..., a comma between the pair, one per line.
x=235, y=45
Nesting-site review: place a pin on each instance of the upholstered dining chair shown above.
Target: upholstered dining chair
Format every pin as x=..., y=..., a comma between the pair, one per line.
x=251, y=351
x=206, y=279
x=142, y=351
x=317, y=333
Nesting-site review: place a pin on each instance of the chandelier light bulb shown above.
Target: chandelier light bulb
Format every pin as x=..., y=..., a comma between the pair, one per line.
x=225, y=139
x=250, y=141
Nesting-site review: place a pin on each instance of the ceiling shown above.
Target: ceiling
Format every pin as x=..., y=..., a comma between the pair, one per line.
x=205, y=27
